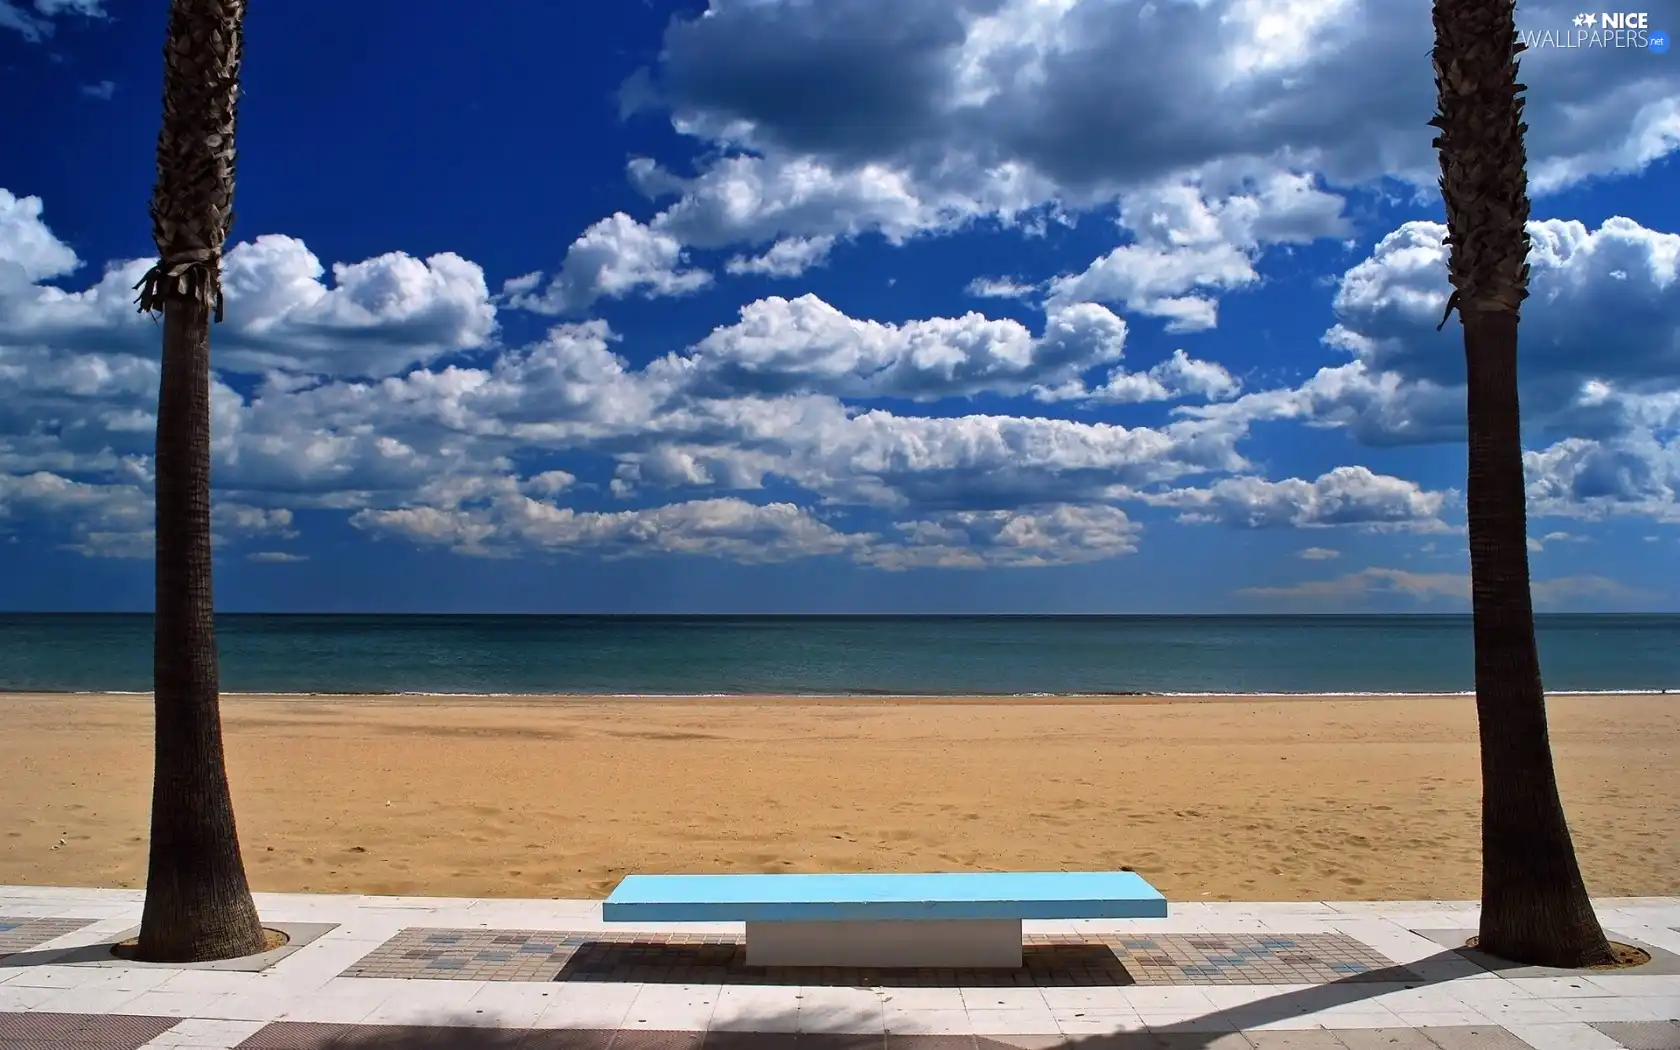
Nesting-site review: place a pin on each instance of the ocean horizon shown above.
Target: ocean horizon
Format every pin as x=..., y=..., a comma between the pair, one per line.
x=509, y=654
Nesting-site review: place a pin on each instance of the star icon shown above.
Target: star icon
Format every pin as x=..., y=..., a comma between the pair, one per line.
x=1591, y=20
x=1580, y=20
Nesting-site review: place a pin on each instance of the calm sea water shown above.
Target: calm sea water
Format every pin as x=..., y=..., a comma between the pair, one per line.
x=850, y=654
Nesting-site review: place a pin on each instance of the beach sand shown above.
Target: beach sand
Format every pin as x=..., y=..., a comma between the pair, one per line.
x=1253, y=799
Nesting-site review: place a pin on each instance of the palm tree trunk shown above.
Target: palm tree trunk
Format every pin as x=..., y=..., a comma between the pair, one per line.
x=1535, y=907
x=198, y=902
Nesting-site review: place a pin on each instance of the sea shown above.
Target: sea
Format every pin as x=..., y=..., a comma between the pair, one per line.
x=836, y=655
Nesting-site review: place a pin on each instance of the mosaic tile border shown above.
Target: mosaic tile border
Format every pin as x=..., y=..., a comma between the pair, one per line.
x=1050, y=960
x=21, y=935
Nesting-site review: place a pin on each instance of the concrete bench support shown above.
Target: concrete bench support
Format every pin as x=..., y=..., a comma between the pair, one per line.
x=879, y=920
x=917, y=943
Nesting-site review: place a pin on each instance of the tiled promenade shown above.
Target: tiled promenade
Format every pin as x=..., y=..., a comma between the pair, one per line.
x=392, y=973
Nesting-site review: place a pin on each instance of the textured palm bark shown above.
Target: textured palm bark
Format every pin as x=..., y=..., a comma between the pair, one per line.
x=198, y=902
x=1535, y=907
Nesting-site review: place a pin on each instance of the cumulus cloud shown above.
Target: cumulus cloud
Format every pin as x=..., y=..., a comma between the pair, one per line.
x=788, y=257
x=1178, y=376
x=1187, y=246
x=1031, y=537
x=1577, y=477
x=804, y=344
x=942, y=91
x=1607, y=393
x=1343, y=496
x=29, y=251
x=378, y=316
x=356, y=401
x=615, y=257
x=114, y=519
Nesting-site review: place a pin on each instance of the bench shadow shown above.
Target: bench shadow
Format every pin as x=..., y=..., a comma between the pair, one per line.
x=1214, y=1030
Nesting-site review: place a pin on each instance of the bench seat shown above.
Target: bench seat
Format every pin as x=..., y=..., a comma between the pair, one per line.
x=965, y=919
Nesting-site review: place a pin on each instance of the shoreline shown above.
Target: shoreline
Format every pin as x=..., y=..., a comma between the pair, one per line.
x=1211, y=696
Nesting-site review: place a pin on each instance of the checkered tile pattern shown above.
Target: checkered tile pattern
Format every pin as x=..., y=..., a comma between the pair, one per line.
x=471, y=955
x=1049, y=960
x=20, y=935
x=1232, y=958
x=39, y=1030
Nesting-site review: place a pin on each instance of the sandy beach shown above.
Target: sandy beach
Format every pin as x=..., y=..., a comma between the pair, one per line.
x=1254, y=799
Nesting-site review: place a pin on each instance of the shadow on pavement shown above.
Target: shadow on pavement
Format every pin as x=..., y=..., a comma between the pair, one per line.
x=1215, y=1030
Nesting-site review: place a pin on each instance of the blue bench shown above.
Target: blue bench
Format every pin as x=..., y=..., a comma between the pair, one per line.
x=966, y=919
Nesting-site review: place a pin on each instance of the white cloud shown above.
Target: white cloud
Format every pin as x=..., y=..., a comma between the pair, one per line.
x=410, y=444
x=1637, y=473
x=37, y=25
x=1357, y=588
x=999, y=288
x=1317, y=554
x=379, y=316
x=1032, y=537
x=788, y=257
x=1179, y=375
x=1343, y=496
x=275, y=557
x=615, y=257
x=29, y=251
x=1187, y=246
x=1607, y=395
x=727, y=527
x=946, y=94
x=804, y=344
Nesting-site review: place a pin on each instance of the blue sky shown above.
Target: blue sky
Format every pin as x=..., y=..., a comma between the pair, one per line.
x=859, y=305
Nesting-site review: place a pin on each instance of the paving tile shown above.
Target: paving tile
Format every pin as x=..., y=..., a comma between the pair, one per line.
x=1571, y=1036
x=1643, y=1035
x=21, y=933
x=717, y=1039
x=841, y=1041
x=1049, y=960
x=202, y=1034
x=1204, y=1041
x=1012, y=1021
x=80, y=1031
x=1305, y=1039
x=1474, y=1037
x=1019, y=1042
x=947, y=1041
x=632, y=1039
x=1385, y=1039
x=1253, y=958
x=568, y=1039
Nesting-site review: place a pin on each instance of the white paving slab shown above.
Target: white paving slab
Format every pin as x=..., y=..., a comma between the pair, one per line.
x=221, y=1008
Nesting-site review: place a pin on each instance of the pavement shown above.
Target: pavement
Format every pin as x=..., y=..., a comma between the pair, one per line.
x=392, y=973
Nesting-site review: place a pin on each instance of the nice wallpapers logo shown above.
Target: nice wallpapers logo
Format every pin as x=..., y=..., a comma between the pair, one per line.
x=1601, y=30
